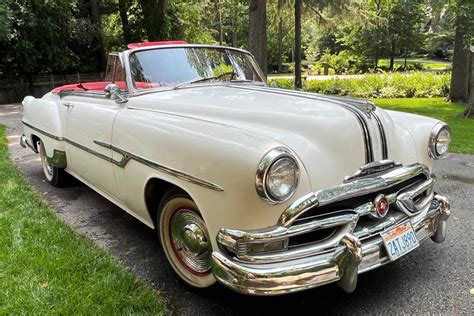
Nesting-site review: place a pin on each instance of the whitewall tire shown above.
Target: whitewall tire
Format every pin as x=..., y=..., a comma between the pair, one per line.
x=185, y=240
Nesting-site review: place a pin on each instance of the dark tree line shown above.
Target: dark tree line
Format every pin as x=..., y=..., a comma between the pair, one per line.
x=64, y=36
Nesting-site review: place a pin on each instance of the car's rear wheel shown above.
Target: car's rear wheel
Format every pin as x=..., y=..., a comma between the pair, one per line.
x=55, y=176
x=185, y=240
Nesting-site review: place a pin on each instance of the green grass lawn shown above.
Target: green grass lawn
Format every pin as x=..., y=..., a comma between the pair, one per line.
x=426, y=63
x=462, y=129
x=47, y=268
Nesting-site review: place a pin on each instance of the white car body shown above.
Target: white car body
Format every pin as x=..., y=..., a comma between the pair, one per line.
x=208, y=140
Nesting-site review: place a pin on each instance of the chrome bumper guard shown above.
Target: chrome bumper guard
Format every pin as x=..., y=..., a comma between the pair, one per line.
x=26, y=143
x=351, y=250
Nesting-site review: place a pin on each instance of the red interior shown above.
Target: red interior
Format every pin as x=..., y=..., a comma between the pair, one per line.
x=86, y=86
x=100, y=86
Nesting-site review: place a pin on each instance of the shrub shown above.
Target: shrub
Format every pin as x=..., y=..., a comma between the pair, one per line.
x=415, y=84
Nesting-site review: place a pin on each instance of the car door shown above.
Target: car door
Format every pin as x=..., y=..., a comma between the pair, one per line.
x=88, y=126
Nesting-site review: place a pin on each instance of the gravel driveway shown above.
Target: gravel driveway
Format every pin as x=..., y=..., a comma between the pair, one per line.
x=436, y=278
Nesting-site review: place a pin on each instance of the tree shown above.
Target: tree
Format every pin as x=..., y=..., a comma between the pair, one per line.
x=316, y=6
x=280, y=35
x=154, y=12
x=459, y=90
x=46, y=37
x=470, y=107
x=258, y=32
x=98, y=40
x=123, y=11
x=404, y=27
x=298, y=82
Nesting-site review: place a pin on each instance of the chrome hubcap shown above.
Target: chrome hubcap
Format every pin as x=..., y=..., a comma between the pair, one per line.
x=190, y=241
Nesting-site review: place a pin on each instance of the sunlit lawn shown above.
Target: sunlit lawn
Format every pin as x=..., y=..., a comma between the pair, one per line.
x=426, y=63
x=47, y=268
x=462, y=129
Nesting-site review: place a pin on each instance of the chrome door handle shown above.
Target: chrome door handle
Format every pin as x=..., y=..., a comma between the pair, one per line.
x=68, y=105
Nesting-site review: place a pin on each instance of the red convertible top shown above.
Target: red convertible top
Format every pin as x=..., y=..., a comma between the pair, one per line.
x=146, y=44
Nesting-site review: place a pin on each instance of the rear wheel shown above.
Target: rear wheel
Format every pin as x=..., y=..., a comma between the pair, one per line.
x=185, y=240
x=55, y=176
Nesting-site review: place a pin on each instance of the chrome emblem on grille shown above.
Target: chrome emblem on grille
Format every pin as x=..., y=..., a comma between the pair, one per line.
x=381, y=206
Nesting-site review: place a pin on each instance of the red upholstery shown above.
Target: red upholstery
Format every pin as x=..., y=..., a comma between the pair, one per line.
x=86, y=86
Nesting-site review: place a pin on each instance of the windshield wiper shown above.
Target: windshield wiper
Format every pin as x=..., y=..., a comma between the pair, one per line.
x=229, y=73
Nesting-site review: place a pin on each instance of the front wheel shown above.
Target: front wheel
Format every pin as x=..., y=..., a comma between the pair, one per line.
x=55, y=176
x=185, y=240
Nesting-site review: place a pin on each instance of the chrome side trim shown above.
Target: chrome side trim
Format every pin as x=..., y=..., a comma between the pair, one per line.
x=127, y=156
x=354, y=107
x=43, y=132
x=89, y=94
x=383, y=137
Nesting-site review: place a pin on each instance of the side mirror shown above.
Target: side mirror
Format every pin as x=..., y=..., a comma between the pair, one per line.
x=113, y=92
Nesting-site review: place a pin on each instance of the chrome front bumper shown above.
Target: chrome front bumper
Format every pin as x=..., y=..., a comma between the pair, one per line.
x=343, y=265
x=356, y=246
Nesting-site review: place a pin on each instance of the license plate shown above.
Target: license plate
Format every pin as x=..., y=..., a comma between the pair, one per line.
x=400, y=240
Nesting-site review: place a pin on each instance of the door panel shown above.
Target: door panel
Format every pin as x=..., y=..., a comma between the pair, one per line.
x=88, y=120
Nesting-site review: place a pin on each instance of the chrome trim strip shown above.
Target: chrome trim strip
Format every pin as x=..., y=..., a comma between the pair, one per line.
x=351, y=106
x=43, y=132
x=383, y=138
x=86, y=93
x=127, y=156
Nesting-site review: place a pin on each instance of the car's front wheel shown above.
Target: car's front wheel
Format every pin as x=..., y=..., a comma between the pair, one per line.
x=185, y=240
x=55, y=176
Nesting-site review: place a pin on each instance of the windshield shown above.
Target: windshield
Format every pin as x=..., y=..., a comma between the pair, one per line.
x=173, y=66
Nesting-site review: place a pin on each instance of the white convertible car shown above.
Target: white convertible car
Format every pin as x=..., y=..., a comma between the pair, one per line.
x=266, y=190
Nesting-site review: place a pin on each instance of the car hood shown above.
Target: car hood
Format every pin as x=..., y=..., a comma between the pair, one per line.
x=322, y=132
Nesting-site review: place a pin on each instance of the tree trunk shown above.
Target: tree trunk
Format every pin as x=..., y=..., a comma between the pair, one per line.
x=280, y=36
x=219, y=21
x=233, y=22
x=459, y=78
x=99, y=40
x=123, y=6
x=392, y=56
x=154, y=12
x=470, y=107
x=406, y=57
x=298, y=83
x=258, y=32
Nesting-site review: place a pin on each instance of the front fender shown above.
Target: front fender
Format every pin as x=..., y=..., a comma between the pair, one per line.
x=224, y=155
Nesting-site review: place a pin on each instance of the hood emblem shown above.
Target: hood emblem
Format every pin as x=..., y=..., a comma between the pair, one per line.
x=381, y=206
x=366, y=106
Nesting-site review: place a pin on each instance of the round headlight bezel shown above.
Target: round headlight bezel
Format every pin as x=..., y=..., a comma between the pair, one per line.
x=265, y=165
x=434, y=139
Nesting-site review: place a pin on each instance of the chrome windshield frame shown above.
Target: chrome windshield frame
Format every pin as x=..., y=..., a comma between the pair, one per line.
x=125, y=56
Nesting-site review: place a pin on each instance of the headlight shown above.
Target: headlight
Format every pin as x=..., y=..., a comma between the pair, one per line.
x=277, y=176
x=440, y=139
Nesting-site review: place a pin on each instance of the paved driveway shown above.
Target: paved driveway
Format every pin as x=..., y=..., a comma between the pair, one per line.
x=436, y=278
